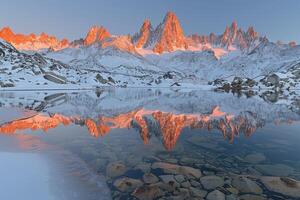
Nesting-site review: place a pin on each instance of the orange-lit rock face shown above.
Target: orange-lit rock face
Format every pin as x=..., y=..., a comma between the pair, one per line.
x=233, y=35
x=171, y=36
x=96, y=130
x=32, y=41
x=144, y=35
x=39, y=121
x=96, y=34
x=169, y=125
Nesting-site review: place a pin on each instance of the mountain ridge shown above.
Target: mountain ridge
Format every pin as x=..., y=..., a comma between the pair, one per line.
x=166, y=37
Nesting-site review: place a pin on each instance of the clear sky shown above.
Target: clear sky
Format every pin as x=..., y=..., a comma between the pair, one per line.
x=278, y=19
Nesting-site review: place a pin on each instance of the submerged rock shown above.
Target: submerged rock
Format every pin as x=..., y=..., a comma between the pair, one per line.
x=177, y=169
x=179, y=178
x=127, y=184
x=115, y=169
x=255, y=158
x=212, y=182
x=198, y=192
x=150, y=178
x=245, y=185
x=275, y=170
x=215, y=195
x=169, y=179
x=285, y=186
x=148, y=192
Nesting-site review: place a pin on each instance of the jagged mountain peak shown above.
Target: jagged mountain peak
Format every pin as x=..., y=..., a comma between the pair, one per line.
x=96, y=34
x=170, y=17
x=234, y=36
x=169, y=35
x=6, y=30
x=142, y=39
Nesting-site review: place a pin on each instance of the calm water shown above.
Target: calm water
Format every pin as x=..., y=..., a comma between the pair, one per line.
x=148, y=144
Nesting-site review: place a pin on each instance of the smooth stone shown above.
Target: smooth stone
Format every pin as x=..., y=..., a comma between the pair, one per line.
x=255, y=158
x=198, y=192
x=251, y=197
x=150, y=178
x=215, y=195
x=115, y=169
x=245, y=185
x=127, y=184
x=195, y=183
x=285, y=186
x=275, y=170
x=148, y=192
x=185, y=184
x=211, y=182
x=177, y=169
x=179, y=178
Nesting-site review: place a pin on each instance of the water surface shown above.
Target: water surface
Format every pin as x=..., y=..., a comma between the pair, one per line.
x=151, y=143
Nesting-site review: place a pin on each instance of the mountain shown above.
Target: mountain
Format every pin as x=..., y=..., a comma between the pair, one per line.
x=32, y=41
x=144, y=37
x=154, y=56
x=96, y=34
x=169, y=35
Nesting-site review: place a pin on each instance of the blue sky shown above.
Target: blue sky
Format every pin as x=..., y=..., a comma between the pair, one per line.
x=278, y=19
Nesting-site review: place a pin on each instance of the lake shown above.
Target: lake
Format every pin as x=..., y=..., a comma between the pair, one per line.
x=148, y=144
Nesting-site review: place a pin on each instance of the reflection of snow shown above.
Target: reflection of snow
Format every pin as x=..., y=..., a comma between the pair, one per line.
x=10, y=114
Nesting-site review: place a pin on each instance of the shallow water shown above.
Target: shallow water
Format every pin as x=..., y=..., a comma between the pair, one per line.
x=94, y=139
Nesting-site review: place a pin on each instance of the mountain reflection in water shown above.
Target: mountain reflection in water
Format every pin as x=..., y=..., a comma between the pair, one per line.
x=127, y=133
x=147, y=122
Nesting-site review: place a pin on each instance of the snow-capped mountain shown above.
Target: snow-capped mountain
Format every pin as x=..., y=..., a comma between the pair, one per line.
x=160, y=56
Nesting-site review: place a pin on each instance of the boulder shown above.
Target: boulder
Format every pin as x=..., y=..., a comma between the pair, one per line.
x=255, y=158
x=282, y=185
x=275, y=170
x=177, y=169
x=127, y=184
x=245, y=185
x=147, y=192
x=115, y=169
